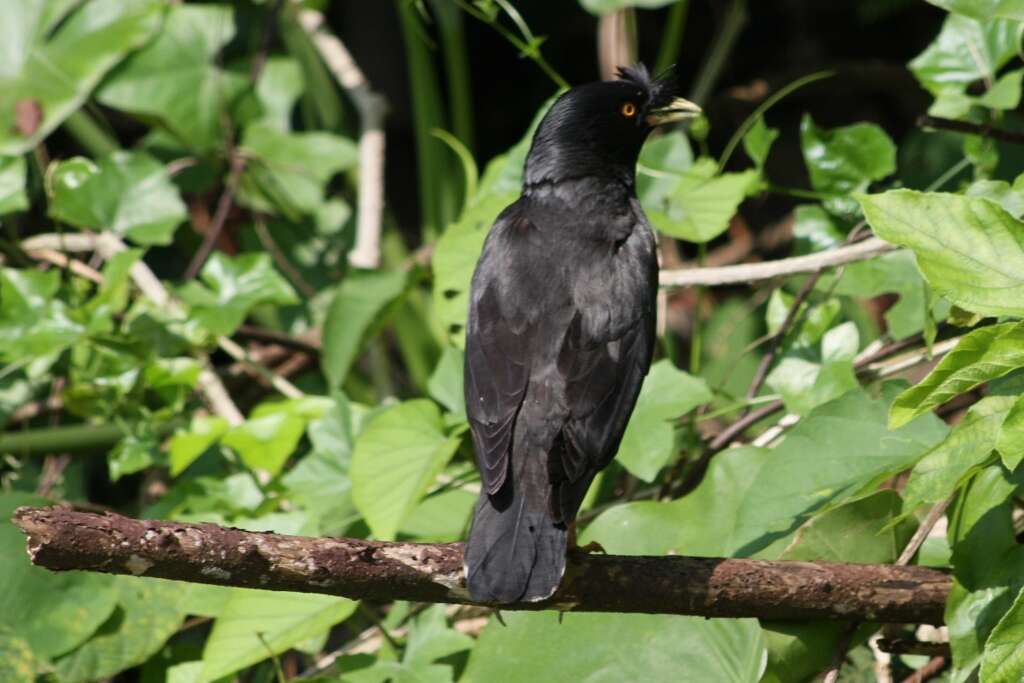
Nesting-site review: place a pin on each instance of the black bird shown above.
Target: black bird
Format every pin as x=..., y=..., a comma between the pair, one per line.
x=561, y=330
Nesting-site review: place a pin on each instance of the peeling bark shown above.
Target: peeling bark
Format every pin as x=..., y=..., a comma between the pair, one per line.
x=63, y=539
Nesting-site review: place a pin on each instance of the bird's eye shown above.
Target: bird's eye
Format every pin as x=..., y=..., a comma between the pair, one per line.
x=628, y=110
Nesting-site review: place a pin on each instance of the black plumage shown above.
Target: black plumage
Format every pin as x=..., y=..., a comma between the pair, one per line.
x=561, y=330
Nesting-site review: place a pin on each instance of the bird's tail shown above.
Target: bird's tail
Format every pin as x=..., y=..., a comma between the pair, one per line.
x=515, y=551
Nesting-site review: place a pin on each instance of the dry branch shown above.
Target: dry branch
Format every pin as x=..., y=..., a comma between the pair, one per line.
x=63, y=539
x=753, y=272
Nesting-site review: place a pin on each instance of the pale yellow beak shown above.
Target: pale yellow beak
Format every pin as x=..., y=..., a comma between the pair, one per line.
x=676, y=110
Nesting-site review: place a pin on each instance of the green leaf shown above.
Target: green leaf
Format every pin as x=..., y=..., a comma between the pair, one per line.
x=13, y=171
x=148, y=613
x=969, y=249
x=1001, y=192
x=666, y=395
x=1003, y=660
x=53, y=612
x=1010, y=442
x=254, y=624
x=397, y=457
x=128, y=193
x=445, y=383
x=320, y=482
x=984, y=9
x=33, y=322
x=805, y=384
x=265, y=442
x=233, y=286
x=1004, y=93
x=600, y=7
x=353, y=313
x=965, y=51
x=844, y=160
x=988, y=565
x=289, y=171
x=279, y=87
x=656, y=528
x=188, y=444
x=840, y=449
x=173, y=80
x=131, y=454
x=431, y=639
x=701, y=204
x=968, y=446
x=662, y=160
x=617, y=647
x=981, y=355
x=50, y=62
x=18, y=663
x=758, y=141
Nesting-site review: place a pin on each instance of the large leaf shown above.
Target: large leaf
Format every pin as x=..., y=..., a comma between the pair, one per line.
x=174, y=81
x=128, y=193
x=233, y=286
x=265, y=442
x=968, y=445
x=846, y=159
x=356, y=306
x=148, y=612
x=699, y=207
x=966, y=50
x=52, y=612
x=649, y=441
x=18, y=664
x=1003, y=660
x=396, y=458
x=254, y=625
x=980, y=356
x=655, y=528
x=33, y=321
x=969, y=249
x=544, y=646
x=46, y=74
x=988, y=565
x=838, y=450
x=288, y=171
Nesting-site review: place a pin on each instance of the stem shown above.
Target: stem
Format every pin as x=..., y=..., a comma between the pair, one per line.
x=84, y=128
x=737, y=137
x=695, y=337
x=80, y=437
x=725, y=39
x=672, y=36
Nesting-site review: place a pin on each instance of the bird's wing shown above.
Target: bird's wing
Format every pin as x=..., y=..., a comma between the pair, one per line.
x=603, y=373
x=497, y=368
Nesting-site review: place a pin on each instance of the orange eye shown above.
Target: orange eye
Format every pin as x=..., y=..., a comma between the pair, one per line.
x=628, y=110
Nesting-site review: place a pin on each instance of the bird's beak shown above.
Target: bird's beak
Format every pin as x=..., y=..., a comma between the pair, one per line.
x=676, y=110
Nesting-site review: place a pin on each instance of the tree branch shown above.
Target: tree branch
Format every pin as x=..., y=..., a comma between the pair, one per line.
x=752, y=272
x=62, y=539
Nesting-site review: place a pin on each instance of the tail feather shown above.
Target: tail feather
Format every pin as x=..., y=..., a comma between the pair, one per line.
x=515, y=551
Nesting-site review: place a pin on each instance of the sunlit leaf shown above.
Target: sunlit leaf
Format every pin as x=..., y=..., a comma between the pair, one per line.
x=50, y=61
x=128, y=193
x=397, y=456
x=968, y=248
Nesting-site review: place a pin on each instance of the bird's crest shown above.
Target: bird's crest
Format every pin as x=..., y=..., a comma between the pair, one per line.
x=659, y=88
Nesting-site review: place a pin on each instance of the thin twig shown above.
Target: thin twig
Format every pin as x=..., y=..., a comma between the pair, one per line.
x=983, y=129
x=220, y=216
x=280, y=258
x=237, y=161
x=372, y=108
x=930, y=670
x=754, y=272
x=904, y=646
x=776, y=339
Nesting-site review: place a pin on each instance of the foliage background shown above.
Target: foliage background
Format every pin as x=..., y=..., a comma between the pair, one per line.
x=129, y=131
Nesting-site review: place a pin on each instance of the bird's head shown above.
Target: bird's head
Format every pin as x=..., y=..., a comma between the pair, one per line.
x=597, y=129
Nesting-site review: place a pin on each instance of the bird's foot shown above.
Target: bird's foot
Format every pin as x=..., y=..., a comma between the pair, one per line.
x=588, y=549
